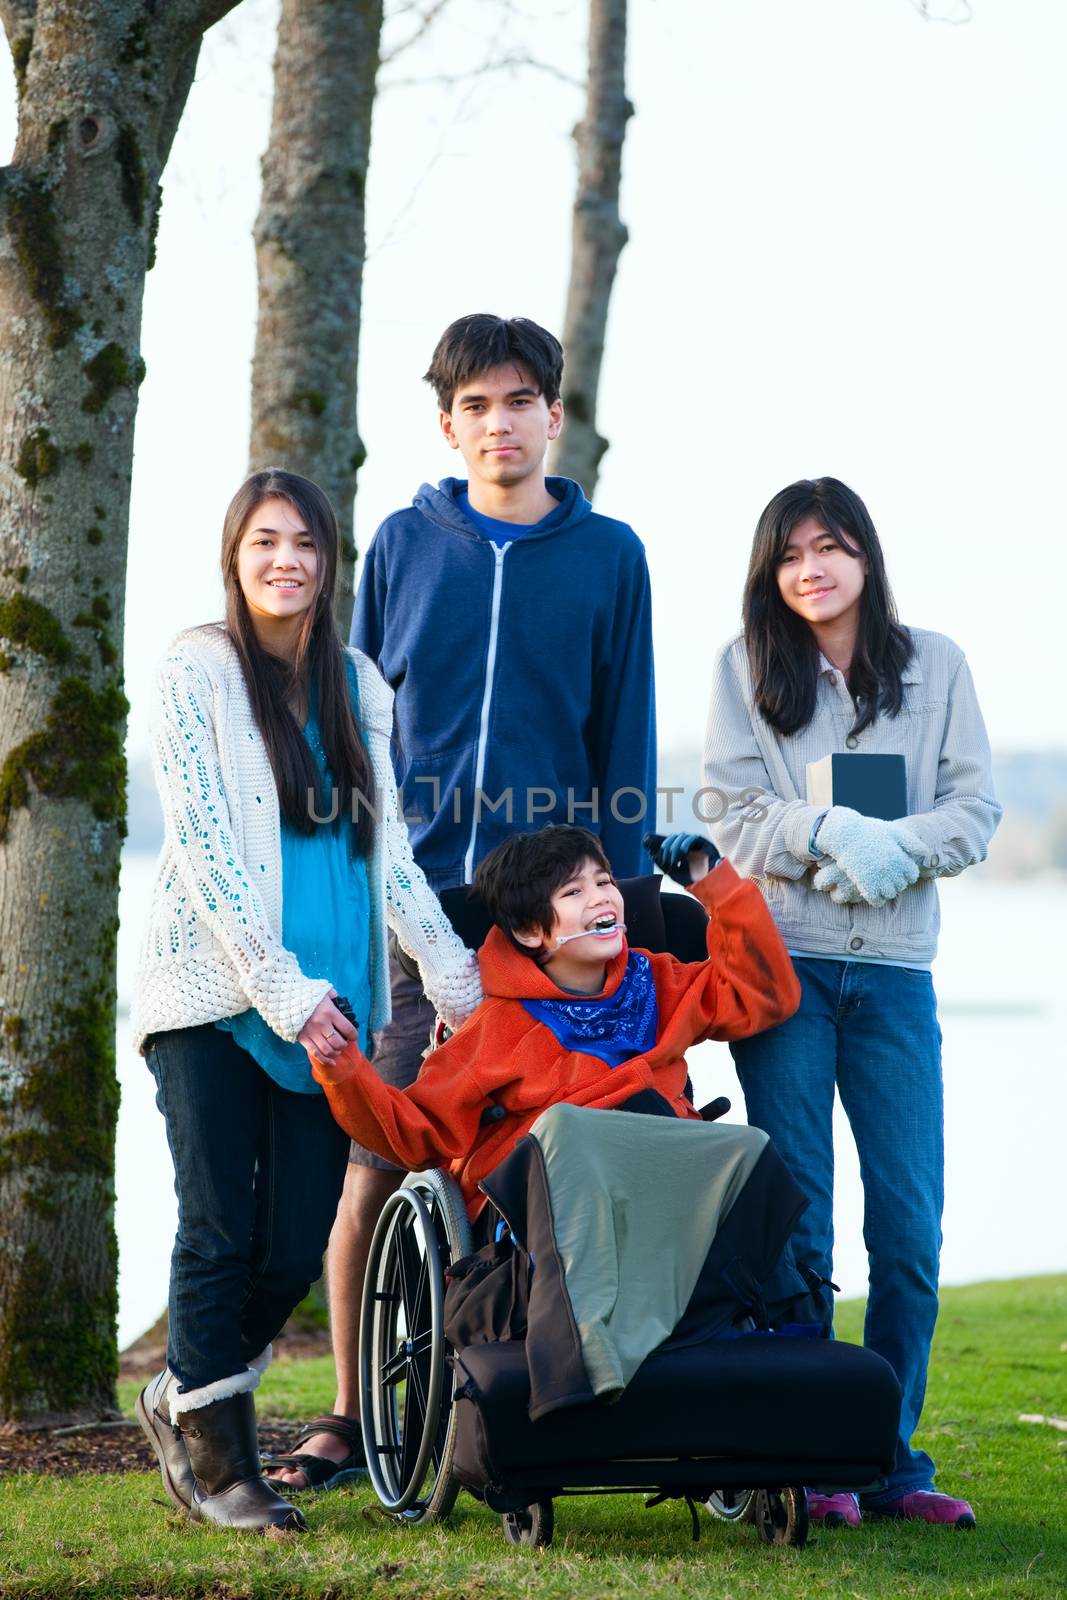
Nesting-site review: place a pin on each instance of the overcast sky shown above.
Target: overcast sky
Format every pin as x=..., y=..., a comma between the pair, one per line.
x=848, y=254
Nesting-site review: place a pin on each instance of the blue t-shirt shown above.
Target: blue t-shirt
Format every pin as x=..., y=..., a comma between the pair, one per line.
x=494, y=529
x=325, y=925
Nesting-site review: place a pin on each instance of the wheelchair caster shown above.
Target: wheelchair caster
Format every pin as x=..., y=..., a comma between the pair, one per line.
x=731, y=1505
x=533, y=1525
x=781, y=1515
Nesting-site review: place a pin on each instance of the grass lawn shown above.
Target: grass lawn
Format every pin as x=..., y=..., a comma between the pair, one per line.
x=1001, y=1350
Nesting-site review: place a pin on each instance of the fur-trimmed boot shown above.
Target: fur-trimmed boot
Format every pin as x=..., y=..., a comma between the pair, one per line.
x=153, y=1413
x=217, y=1425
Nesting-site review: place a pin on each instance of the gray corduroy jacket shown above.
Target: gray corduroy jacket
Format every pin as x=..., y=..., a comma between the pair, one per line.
x=951, y=804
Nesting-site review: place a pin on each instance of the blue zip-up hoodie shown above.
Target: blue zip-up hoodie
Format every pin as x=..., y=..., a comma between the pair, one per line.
x=525, y=670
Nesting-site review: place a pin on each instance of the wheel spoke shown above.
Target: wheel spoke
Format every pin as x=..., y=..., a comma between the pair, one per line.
x=418, y=1308
x=408, y=1265
x=393, y=1370
x=417, y=1385
x=414, y=1420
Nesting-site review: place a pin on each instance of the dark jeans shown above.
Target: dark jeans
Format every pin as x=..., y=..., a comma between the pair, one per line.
x=871, y=1032
x=258, y=1172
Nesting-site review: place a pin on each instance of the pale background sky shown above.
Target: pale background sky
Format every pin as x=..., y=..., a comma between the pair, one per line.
x=848, y=251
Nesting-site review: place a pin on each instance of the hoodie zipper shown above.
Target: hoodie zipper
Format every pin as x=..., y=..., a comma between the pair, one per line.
x=499, y=552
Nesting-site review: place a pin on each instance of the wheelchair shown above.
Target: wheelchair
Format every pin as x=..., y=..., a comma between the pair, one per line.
x=737, y=1425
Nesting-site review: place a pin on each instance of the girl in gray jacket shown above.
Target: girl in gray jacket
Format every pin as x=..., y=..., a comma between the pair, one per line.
x=823, y=666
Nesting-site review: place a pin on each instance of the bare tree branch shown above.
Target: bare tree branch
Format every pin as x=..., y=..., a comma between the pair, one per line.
x=208, y=12
x=18, y=17
x=185, y=72
x=426, y=21
x=16, y=14
x=514, y=61
x=923, y=7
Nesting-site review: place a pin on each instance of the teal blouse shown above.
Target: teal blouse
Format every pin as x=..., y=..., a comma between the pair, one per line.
x=325, y=924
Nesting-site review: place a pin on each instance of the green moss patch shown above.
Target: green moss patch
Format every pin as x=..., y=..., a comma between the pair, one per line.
x=35, y=234
x=21, y=50
x=153, y=226
x=72, y=1096
x=37, y=458
x=108, y=371
x=310, y=401
x=56, y=1342
x=77, y=755
x=25, y=621
x=132, y=180
x=96, y=617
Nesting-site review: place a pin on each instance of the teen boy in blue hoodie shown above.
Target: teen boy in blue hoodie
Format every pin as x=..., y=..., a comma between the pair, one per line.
x=514, y=625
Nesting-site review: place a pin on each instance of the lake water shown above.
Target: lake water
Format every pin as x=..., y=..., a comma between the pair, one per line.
x=1003, y=1005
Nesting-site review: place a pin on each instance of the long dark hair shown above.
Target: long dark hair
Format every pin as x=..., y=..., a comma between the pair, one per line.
x=782, y=651
x=271, y=682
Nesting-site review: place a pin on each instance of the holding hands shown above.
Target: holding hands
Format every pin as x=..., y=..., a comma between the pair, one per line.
x=685, y=857
x=330, y=1027
x=870, y=859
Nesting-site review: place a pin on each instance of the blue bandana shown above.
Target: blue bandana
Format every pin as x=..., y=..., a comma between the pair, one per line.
x=614, y=1027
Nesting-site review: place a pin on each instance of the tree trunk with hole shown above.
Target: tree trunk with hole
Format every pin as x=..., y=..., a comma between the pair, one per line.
x=101, y=86
x=597, y=237
x=310, y=245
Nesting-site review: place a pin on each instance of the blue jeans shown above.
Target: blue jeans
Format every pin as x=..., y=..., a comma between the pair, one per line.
x=872, y=1032
x=258, y=1171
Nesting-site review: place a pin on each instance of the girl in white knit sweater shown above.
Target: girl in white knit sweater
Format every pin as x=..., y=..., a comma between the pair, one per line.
x=284, y=860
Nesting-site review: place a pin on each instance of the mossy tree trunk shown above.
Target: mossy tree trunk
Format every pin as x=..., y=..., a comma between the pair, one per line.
x=597, y=238
x=101, y=86
x=310, y=243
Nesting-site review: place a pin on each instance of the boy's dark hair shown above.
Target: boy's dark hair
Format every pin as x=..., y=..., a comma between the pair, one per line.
x=480, y=342
x=518, y=879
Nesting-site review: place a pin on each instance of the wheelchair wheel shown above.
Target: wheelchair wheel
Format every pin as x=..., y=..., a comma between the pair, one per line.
x=533, y=1525
x=781, y=1515
x=731, y=1505
x=405, y=1382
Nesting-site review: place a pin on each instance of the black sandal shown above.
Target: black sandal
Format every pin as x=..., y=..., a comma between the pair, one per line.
x=320, y=1472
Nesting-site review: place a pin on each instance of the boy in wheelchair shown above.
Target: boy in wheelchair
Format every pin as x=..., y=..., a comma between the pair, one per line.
x=571, y=1013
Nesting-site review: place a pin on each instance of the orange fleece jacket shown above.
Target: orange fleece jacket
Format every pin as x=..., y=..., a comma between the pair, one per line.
x=503, y=1056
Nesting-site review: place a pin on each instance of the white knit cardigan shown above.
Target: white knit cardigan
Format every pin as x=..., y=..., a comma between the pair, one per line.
x=213, y=945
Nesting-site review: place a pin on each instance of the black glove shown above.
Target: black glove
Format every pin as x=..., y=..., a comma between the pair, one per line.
x=670, y=853
x=344, y=1006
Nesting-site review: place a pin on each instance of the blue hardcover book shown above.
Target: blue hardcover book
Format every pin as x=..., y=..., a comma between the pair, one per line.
x=874, y=785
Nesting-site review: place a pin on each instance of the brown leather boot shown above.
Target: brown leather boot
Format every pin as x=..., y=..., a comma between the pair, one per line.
x=153, y=1413
x=230, y=1489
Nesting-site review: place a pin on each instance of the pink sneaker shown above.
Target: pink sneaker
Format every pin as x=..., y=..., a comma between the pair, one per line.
x=834, y=1510
x=925, y=1505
